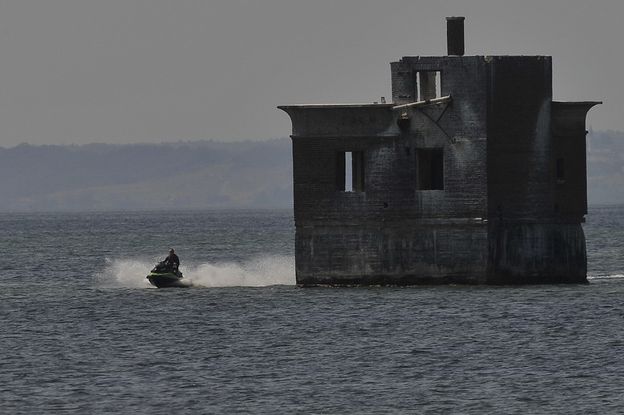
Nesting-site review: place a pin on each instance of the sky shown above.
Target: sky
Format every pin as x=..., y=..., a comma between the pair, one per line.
x=128, y=71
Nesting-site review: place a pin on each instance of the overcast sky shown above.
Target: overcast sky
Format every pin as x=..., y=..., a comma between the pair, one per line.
x=118, y=71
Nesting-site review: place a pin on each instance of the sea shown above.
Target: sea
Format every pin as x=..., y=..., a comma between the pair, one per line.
x=83, y=332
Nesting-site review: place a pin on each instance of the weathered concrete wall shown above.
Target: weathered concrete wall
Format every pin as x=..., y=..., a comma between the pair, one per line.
x=531, y=240
x=536, y=253
x=391, y=233
x=394, y=233
x=390, y=182
x=569, y=147
x=500, y=217
x=391, y=253
x=460, y=128
x=520, y=179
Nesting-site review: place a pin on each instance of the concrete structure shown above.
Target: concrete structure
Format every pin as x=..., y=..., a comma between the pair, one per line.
x=473, y=174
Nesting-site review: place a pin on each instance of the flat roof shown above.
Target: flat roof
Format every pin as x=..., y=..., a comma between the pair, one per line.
x=441, y=57
x=336, y=105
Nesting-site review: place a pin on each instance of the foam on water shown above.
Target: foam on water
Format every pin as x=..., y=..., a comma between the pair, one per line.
x=605, y=277
x=256, y=272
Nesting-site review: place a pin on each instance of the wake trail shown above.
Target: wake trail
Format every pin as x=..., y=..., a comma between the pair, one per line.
x=257, y=272
x=605, y=277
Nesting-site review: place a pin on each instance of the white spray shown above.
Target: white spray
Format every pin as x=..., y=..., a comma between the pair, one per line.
x=257, y=272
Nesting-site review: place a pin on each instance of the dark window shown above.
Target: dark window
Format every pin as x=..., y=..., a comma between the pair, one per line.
x=560, y=169
x=428, y=85
x=350, y=171
x=430, y=164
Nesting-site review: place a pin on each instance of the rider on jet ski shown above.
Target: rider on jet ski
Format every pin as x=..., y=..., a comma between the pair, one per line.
x=166, y=273
x=172, y=260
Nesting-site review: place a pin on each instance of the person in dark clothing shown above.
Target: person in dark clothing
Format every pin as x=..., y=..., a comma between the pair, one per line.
x=172, y=260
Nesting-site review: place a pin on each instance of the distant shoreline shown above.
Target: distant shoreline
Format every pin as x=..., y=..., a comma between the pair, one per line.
x=202, y=175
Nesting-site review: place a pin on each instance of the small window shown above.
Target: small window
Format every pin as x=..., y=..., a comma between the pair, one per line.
x=430, y=165
x=560, y=170
x=350, y=171
x=428, y=85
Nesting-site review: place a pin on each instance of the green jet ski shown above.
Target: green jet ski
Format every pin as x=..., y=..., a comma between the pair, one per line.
x=165, y=276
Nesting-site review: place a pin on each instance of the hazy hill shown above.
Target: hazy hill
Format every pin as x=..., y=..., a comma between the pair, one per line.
x=605, y=167
x=199, y=175
x=192, y=175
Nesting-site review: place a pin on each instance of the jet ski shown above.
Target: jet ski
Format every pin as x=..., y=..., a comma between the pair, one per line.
x=165, y=276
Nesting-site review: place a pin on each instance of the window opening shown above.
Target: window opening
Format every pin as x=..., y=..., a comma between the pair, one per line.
x=560, y=169
x=428, y=85
x=430, y=163
x=350, y=171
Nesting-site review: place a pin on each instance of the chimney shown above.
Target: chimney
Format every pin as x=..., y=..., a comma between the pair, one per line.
x=455, y=35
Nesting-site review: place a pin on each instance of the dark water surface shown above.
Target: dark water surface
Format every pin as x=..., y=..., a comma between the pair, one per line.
x=82, y=331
